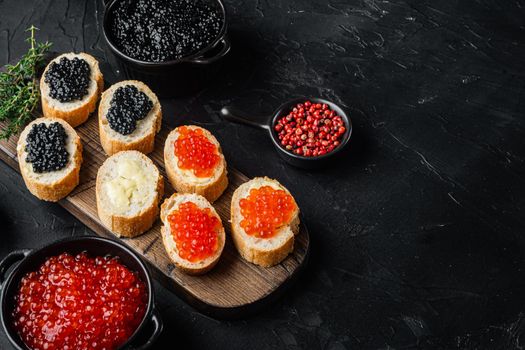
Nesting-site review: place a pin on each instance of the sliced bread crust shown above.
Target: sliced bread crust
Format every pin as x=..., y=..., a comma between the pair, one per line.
x=74, y=112
x=143, y=138
x=265, y=252
x=185, y=181
x=192, y=268
x=138, y=218
x=51, y=186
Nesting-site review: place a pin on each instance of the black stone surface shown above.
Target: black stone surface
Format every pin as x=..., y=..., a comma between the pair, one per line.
x=417, y=236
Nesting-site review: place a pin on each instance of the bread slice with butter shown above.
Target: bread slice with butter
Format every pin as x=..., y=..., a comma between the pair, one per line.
x=200, y=265
x=185, y=180
x=129, y=189
x=263, y=251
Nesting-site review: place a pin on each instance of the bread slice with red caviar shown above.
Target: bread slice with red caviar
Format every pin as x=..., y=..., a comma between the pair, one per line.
x=187, y=180
x=264, y=251
x=76, y=111
x=172, y=205
x=142, y=138
x=55, y=184
x=129, y=189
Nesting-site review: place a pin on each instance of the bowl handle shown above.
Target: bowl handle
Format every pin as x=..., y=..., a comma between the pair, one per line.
x=158, y=325
x=226, y=46
x=232, y=115
x=9, y=260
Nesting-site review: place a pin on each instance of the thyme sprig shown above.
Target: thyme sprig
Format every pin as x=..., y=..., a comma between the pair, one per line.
x=19, y=92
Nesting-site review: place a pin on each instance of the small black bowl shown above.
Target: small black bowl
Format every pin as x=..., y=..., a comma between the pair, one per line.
x=176, y=77
x=94, y=246
x=268, y=123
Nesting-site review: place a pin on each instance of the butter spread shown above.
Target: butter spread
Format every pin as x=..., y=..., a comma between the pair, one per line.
x=129, y=185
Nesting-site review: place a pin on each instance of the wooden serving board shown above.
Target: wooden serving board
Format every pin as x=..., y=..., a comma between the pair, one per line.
x=231, y=289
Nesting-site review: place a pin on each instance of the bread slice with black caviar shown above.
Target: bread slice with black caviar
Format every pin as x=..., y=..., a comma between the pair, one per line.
x=49, y=165
x=133, y=124
x=66, y=93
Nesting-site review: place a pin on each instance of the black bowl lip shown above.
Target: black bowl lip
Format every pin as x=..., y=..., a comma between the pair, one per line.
x=279, y=112
x=8, y=283
x=185, y=59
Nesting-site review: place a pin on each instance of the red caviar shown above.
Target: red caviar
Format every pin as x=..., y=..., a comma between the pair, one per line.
x=195, y=231
x=79, y=302
x=265, y=210
x=195, y=152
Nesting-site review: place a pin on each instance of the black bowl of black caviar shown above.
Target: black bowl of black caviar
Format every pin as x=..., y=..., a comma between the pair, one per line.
x=307, y=133
x=76, y=255
x=174, y=46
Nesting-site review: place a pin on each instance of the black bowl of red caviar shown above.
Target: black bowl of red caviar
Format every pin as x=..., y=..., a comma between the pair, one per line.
x=308, y=133
x=172, y=61
x=78, y=293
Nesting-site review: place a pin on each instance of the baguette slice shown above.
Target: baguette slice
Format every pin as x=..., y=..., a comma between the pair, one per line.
x=184, y=180
x=128, y=190
x=74, y=112
x=143, y=138
x=265, y=252
x=192, y=268
x=55, y=185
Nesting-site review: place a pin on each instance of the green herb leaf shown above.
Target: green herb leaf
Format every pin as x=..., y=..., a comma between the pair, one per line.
x=19, y=91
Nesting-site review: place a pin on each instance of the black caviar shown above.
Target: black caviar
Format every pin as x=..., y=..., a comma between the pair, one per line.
x=127, y=106
x=46, y=147
x=163, y=30
x=68, y=80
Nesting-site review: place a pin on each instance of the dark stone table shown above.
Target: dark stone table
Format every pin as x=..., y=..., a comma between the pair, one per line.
x=418, y=234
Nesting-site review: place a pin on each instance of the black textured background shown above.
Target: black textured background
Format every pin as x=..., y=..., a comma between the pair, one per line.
x=417, y=236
